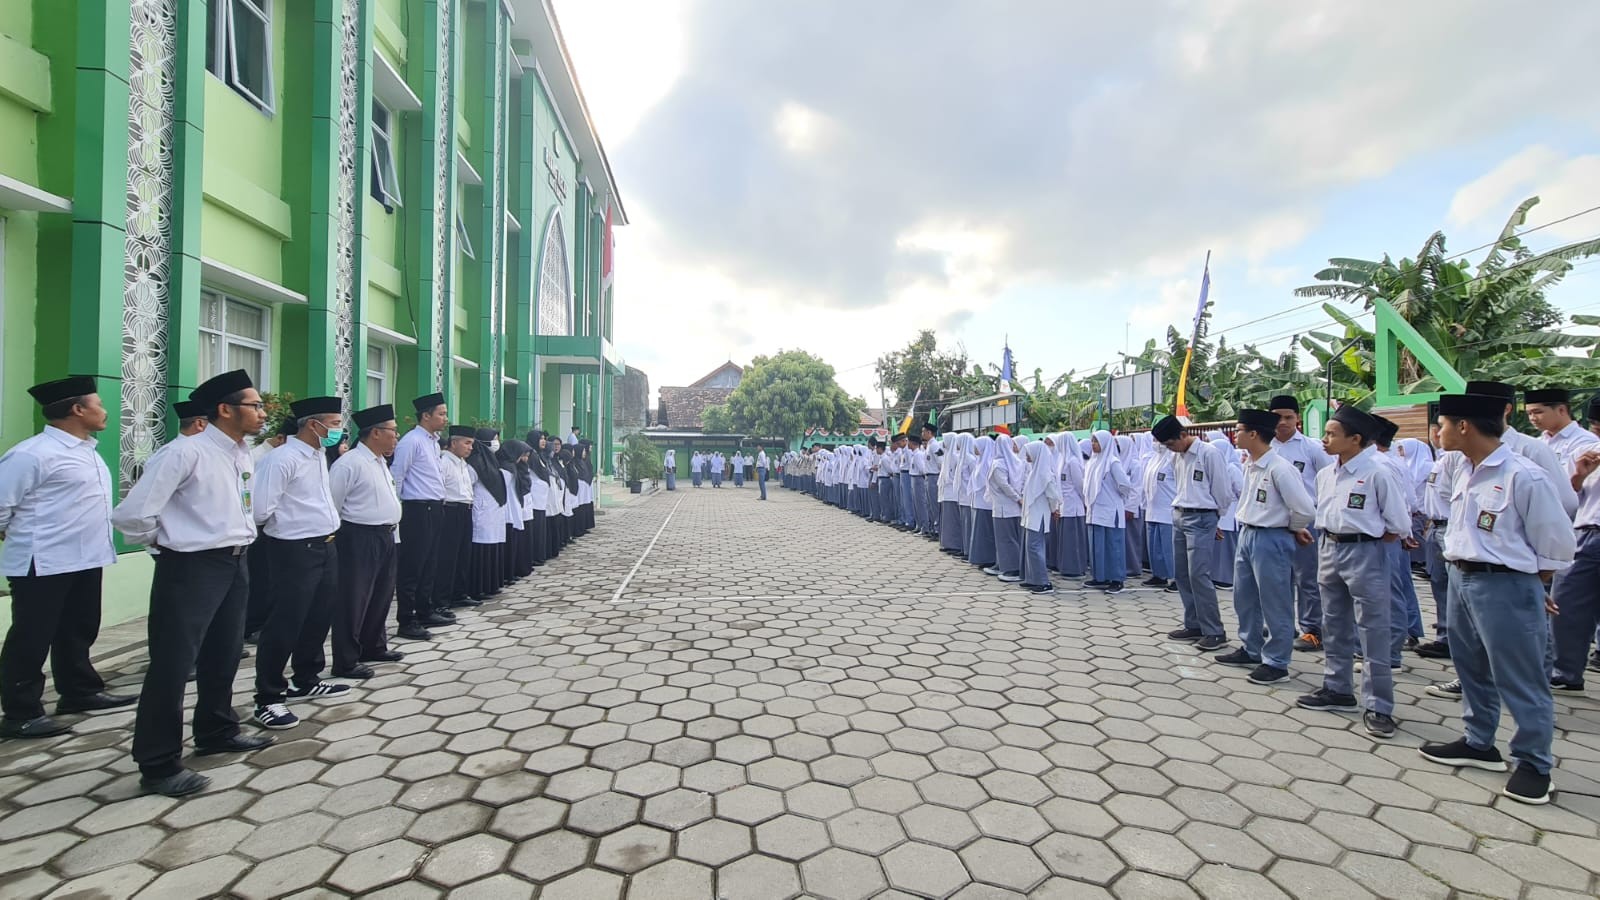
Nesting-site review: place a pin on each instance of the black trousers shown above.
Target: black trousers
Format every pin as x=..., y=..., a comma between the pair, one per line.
x=537, y=539
x=196, y=622
x=305, y=586
x=366, y=591
x=455, y=536
x=56, y=616
x=260, y=602
x=421, y=522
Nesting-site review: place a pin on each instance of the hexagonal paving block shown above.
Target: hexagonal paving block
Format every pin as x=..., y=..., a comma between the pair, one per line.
x=758, y=877
x=842, y=875
x=647, y=779
x=633, y=848
x=674, y=878
x=866, y=831
x=818, y=800
x=603, y=813
x=714, y=842
x=1003, y=864
x=791, y=837
x=924, y=870
x=464, y=860
x=778, y=773
x=550, y=855
x=678, y=809
x=939, y=825
x=1011, y=821
x=749, y=804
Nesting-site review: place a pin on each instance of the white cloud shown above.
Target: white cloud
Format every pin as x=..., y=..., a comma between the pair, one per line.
x=629, y=55
x=1565, y=185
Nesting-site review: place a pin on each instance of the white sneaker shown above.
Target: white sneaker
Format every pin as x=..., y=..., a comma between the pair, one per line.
x=1011, y=579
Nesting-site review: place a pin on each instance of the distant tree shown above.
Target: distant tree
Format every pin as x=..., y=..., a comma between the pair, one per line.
x=782, y=395
x=921, y=365
x=716, y=420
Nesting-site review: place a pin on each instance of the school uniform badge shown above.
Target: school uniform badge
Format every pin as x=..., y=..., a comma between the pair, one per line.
x=1300, y=466
x=1199, y=475
x=1356, y=501
x=1486, y=521
x=1261, y=495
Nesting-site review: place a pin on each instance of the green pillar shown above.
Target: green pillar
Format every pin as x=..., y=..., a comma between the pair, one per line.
x=523, y=308
x=489, y=48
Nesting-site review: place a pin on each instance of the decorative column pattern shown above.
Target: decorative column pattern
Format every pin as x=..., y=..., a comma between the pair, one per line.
x=497, y=221
x=147, y=270
x=346, y=240
x=443, y=177
x=555, y=287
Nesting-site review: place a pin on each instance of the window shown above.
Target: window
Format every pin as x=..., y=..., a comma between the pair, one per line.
x=233, y=335
x=463, y=243
x=379, y=360
x=239, y=47
x=385, y=184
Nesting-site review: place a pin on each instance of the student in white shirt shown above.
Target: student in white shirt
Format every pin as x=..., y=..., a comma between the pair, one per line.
x=697, y=464
x=1550, y=411
x=957, y=449
x=450, y=590
x=192, y=507
x=1204, y=493
x=761, y=470
x=1004, y=484
x=1435, y=497
x=416, y=471
x=1225, y=550
x=1160, y=489
x=933, y=465
x=980, y=539
x=669, y=469
x=738, y=470
x=1576, y=591
x=294, y=511
x=489, y=498
x=368, y=505
x=1405, y=621
x=1508, y=534
x=1534, y=450
x=1072, y=529
x=1308, y=458
x=718, y=464
x=1361, y=506
x=511, y=456
x=538, y=501
x=1041, y=505
x=55, y=519
x=1274, y=513
x=1106, y=488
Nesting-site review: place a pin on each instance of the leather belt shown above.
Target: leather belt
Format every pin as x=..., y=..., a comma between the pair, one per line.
x=1192, y=510
x=459, y=503
x=1481, y=568
x=1350, y=538
x=231, y=551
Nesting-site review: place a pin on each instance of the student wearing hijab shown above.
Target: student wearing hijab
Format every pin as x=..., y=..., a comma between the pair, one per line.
x=538, y=501
x=1226, y=548
x=488, y=515
x=980, y=540
x=519, y=557
x=553, y=522
x=695, y=464
x=738, y=470
x=1041, y=505
x=718, y=464
x=1070, y=533
x=1005, y=483
x=583, y=464
x=1133, y=507
x=955, y=450
x=1160, y=490
x=569, y=507
x=1108, y=487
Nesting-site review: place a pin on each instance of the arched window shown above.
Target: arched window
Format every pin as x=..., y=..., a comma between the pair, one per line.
x=555, y=288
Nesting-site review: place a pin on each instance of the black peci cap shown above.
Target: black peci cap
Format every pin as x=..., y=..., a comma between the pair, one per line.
x=376, y=415
x=427, y=403
x=1260, y=419
x=1471, y=406
x=225, y=385
x=1551, y=396
x=1386, y=429
x=63, y=389
x=1168, y=428
x=463, y=431
x=1284, y=401
x=316, y=406
x=188, y=409
x=1506, y=392
x=1357, y=422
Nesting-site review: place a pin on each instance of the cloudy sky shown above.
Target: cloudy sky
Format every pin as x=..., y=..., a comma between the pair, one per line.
x=833, y=175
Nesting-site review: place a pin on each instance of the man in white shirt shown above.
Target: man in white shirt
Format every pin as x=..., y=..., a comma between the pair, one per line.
x=1550, y=411
x=294, y=511
x=364, y=496
x=1361, y=506
x=1308, y=458
x=55, y=519
x=1508, y=534
x=1204, y=490
x=455, y=539
x=1530, y=448
x=761, y=470
x=573, y=437
x=1576, y=591
x=416, y=472
x=1275, y=514
x=916, y=468
x=192, y=508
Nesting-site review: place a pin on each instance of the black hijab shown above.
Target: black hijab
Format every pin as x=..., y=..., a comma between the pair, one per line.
x=484, y=463
x=510, y=451
x=584, y=464
x=538, y=460
x=568, y=471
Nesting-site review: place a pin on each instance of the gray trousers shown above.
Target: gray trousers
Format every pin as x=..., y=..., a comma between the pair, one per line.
x=1439, y=578
x=1577, y=592
x=1193, y=534
x=1355, y=612
x=1307, y=593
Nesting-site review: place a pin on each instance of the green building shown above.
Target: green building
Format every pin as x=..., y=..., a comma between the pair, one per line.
x=370, y=198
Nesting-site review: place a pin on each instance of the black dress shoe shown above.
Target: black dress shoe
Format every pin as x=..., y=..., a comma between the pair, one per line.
x=437, y=619
x=465, y=603
x=385, y=656
x=42, y=727
x=414, y=633
x=102, y=700
x=239, y=743
x=358, y=672
x=181, y=784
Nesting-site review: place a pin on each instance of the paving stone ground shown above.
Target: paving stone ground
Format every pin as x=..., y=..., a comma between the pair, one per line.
x=787, y=701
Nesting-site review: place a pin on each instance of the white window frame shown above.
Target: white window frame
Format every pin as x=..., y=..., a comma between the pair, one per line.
x=385, y=187
x=384, y=374
x=224, y=61
x=463, y=242
x=224, y=339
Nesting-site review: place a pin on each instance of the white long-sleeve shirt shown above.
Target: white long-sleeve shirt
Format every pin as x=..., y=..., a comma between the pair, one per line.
x=55, y=506
x=195, y=495
x=1306, y=456
x=1362, y=496
x=292, y=500
x=416, y=466
x=1570, y=443
x=1504, y=511
x=1540, y=454
x=1204, y=481
x=1275, y=495
x=363, y=489
x=457, y=477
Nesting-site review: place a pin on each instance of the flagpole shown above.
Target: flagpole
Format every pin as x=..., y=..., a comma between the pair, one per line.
x=1182, y=408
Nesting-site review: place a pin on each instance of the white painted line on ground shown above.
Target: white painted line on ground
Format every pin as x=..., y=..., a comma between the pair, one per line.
x=616, y=597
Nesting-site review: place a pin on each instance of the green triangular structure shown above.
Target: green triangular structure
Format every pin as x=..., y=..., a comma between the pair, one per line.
x=1391, y=332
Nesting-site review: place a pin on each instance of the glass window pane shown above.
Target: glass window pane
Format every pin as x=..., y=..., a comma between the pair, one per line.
x=375, y=358
x=375, y=391
x=248, y=322
x=208, y=356
x=246, y=358
x=252, y=49
x=210, y=312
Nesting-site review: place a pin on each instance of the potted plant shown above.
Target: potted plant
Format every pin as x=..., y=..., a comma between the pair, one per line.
x=640, y=459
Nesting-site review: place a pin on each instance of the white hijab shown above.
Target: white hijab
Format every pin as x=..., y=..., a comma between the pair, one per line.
x=1043, y=473
x=977, y=482
x=1103, y=463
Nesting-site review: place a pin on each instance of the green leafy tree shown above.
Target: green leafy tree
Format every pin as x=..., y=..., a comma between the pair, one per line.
x=782, y=395
x=716, y=420
x=922, y=366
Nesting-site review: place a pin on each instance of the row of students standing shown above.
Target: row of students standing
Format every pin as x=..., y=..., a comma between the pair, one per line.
x=325, y=519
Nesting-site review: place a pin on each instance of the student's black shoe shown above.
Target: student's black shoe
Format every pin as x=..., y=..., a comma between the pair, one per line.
x=178, y=784
x=320, y=689
x=1594, y=661
x=1449, y=690
x=1184, y=634
x=1042, y=589
x=253, y=637
x=1527, y=786
x=239, y=743
x=93, y=702
x=1412, y=643
x=1557, y=686
x=465, y=603
x=1438, y=649
x=383, y=657
x=1210, y=642
x=1096, y=583
x=1153, y=581
x=1377, y=724
x=1460, y=753
x=1114, y=587
x=1265, y=674
x=414, y=633
x=357, y=673
x=991, y=570
x=1221, y=586
x=1239, y=657
x=41, y=727
x=1324, y=699
x=437, y=619
x=1171, y=587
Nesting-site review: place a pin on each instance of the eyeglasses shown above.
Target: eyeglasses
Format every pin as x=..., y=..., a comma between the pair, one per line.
x=258, y=406
x=385, y=428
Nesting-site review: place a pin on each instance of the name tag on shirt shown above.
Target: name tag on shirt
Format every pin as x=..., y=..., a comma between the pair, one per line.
x=1356, y=501
x=244, y=492
x=1199, y=475
x=1486, y=521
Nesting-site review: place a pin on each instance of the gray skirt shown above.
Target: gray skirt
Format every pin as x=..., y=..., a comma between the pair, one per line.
x=1071, y=540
